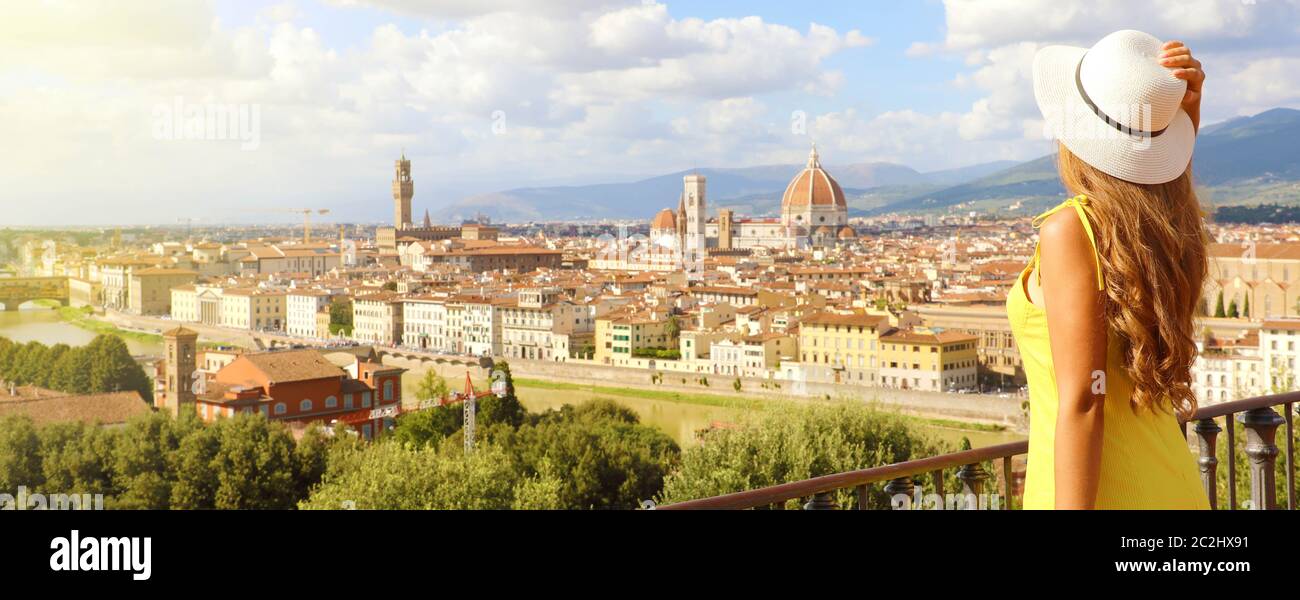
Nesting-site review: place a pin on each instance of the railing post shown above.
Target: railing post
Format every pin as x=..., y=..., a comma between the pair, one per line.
x=902, y=485
x=822, y=501
x=1261, y=428
x=972, y=478
x=1207, y=433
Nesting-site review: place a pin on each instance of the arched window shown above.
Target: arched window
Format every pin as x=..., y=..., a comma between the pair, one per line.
x=280, y=408
x=305, y=405
x=331, y=402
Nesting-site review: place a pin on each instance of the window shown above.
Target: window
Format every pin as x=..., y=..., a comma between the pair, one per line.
x=388, y=390
x=305, y=405
x=347, y=401
x=365, y=399
x=331, y=402
x=280, y=408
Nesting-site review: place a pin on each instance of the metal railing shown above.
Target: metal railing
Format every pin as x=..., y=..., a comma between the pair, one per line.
x=1256, y=415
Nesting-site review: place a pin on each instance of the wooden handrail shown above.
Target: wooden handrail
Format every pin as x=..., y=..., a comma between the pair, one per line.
x=781, y=493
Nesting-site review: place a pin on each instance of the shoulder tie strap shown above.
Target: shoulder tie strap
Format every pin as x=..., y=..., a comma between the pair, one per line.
x=1078, y=202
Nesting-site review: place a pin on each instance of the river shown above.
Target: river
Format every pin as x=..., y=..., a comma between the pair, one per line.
x=43, y=325
x=680, y=420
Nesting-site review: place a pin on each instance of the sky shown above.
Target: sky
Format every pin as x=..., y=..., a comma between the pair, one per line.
x=111, y=111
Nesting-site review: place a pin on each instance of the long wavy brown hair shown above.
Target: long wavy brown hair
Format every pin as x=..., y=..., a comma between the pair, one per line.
x=1152, y=242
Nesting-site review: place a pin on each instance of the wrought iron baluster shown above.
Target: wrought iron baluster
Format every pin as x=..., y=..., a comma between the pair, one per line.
x=1207, y=433
x=1261, y=430
x=972, y=478
x=1232, y=460
x=822, y=501
x=903, y=486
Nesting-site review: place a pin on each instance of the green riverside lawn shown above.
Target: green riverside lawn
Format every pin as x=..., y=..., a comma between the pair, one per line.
x=723, y=400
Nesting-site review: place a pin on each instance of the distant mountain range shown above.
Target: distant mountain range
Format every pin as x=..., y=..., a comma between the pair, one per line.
x=1247, y=160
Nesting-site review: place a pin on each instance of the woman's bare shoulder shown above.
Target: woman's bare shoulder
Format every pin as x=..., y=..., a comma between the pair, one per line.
x=1065, y=248
x=1064, y=232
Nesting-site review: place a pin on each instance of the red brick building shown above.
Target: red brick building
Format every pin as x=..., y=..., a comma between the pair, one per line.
x=302, y=386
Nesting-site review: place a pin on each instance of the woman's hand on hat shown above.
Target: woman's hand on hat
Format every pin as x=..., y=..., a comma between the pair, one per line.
x=1176, y=56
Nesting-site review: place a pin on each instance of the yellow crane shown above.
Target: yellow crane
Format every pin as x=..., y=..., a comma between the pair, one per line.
x=306, y=219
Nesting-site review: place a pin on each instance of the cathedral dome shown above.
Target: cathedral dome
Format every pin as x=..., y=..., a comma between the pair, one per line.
x=813, y=186
x=664, y=221
x=847, y=233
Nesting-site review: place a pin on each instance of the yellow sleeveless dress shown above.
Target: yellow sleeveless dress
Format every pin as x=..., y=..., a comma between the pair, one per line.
x=1145, y=459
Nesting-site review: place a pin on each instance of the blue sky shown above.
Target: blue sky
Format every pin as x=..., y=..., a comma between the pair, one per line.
x=487, y=95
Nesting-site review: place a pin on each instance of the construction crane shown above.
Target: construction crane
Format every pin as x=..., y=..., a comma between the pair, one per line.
x=306, y=219
x=471, y=409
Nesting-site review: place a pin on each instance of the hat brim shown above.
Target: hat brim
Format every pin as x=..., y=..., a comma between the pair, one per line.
x=1135, y=158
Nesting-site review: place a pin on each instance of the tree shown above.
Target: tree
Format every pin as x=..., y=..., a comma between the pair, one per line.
x=254, y=464
x=20, y=455
x=428, y=426
x=431, y=387
x=1232, y=309
x=77, y=458
x=313, y=451
x=1218, y=307
x=196, y=481
x=792, y=443
x=112, y=369
x=71, y=373
x=144, y=460
x=1245, y=309
x=341, y=317
x=501, y=407
x=608, y=458
x=673, y=328
x=394, y=476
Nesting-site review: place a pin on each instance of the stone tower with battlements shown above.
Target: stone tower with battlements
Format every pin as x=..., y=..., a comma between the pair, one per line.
x=403, y=191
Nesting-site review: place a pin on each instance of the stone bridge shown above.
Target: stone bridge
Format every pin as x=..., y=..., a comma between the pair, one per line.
x=14, y=291
x=410, y=358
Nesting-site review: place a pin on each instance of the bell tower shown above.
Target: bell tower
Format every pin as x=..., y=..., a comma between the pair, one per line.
x=695, y=212
x=403, y=191
x=180, y=346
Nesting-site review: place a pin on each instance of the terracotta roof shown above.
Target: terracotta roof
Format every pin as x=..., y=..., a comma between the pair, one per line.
x=1287, y=324
x=107, y=409
x=665, y=220
x=813, y=186
x=180, y=331
x=855, y=319
x=293, y=365
x=1276, y=251
x=943, y=337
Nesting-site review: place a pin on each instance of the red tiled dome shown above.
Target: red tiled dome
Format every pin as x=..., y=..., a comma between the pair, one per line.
x=665, y=220
x=847, y=233
x=813, y=186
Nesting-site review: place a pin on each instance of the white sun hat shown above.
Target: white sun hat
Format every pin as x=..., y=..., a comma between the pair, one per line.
x=1116, y=107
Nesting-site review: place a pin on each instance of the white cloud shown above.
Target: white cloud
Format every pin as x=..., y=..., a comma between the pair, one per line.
x=525, y=91
x=1237, y=41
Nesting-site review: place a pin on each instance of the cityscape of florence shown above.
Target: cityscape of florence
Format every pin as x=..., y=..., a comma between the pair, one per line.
x=592, y=255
